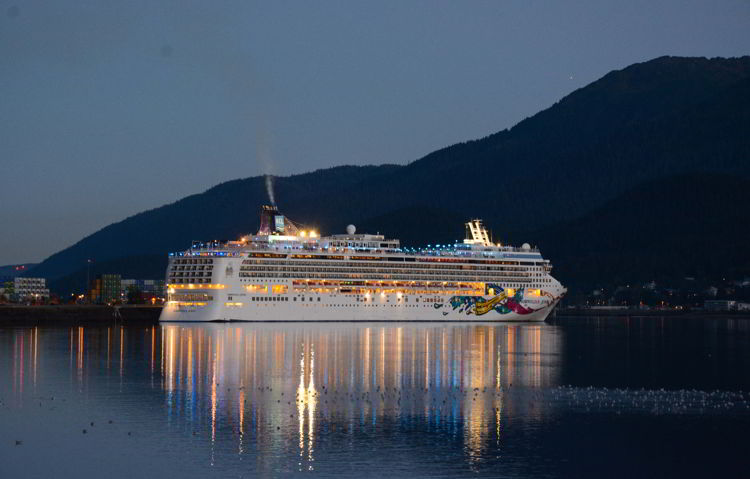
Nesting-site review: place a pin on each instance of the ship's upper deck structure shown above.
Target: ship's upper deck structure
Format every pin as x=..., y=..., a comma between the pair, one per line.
x=280, y=234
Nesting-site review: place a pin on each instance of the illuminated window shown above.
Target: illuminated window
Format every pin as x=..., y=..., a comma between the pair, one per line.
x=279, y=289
x=257, y=288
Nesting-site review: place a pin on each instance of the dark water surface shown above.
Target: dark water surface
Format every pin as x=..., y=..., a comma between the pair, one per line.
x=583, y=397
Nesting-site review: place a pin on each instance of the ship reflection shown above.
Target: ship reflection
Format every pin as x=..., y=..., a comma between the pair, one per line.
x=308, y=390
x=281, y=386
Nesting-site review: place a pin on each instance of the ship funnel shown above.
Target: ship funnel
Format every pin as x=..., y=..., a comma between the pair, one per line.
x=274, y=223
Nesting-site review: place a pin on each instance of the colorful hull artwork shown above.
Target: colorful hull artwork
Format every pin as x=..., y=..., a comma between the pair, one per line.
x=500, y=303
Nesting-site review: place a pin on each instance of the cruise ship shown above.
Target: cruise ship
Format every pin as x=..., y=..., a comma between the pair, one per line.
x=286, y=272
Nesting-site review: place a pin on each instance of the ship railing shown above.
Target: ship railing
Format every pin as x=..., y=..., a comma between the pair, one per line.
x=448, y=252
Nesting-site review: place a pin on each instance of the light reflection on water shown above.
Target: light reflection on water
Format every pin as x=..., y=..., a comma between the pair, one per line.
x=277, y=380
x=340, y=398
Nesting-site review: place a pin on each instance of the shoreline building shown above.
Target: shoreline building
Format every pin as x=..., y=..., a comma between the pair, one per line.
x=725, y=305
x=149, y=288
x=30, y=289
x=105, y=289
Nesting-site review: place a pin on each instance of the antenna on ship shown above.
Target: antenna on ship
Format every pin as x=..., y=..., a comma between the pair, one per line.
x=478, y=233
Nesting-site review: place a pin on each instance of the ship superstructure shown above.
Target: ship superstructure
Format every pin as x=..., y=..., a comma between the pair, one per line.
x=287, y=272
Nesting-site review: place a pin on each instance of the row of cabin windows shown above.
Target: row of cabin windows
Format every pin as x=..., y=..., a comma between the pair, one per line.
x=521, y=274
x=193, y=261
x=302, y=299
x=190, y=297
x=192, y=268
x=390, y=277
x=391, y=265
x=407, y=270
x=199, y=274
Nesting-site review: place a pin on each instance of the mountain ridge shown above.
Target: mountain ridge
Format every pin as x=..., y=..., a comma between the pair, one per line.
x=648, y=121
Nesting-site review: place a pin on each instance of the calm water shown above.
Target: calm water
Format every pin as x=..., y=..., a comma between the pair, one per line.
x=584, y=397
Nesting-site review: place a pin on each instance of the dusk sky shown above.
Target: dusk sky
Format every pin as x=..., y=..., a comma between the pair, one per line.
x=112, y=108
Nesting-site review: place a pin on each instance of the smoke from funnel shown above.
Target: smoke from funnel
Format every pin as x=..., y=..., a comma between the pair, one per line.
x=264, y=158
x=269, y=189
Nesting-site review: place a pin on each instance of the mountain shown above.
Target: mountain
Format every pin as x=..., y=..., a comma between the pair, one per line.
x=650, y=121
x=689, y=225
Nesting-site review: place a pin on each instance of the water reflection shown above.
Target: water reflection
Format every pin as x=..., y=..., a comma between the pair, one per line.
x=301, y=378
x=328, y=398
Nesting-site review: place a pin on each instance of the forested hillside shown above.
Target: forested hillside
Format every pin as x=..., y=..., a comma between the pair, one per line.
x=651, y=121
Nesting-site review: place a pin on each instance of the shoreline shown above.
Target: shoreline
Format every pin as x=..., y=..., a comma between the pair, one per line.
x=66, y=314
x=22, y=315
x=647, y=313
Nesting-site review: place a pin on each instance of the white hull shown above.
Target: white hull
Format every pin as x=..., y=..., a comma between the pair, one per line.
x=341, y=308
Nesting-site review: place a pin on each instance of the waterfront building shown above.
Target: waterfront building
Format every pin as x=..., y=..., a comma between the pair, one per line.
x=30, y=289
x=105, y=289
x=150, y=289
x=153, y=286
x=6, y=286
x=719, y=305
